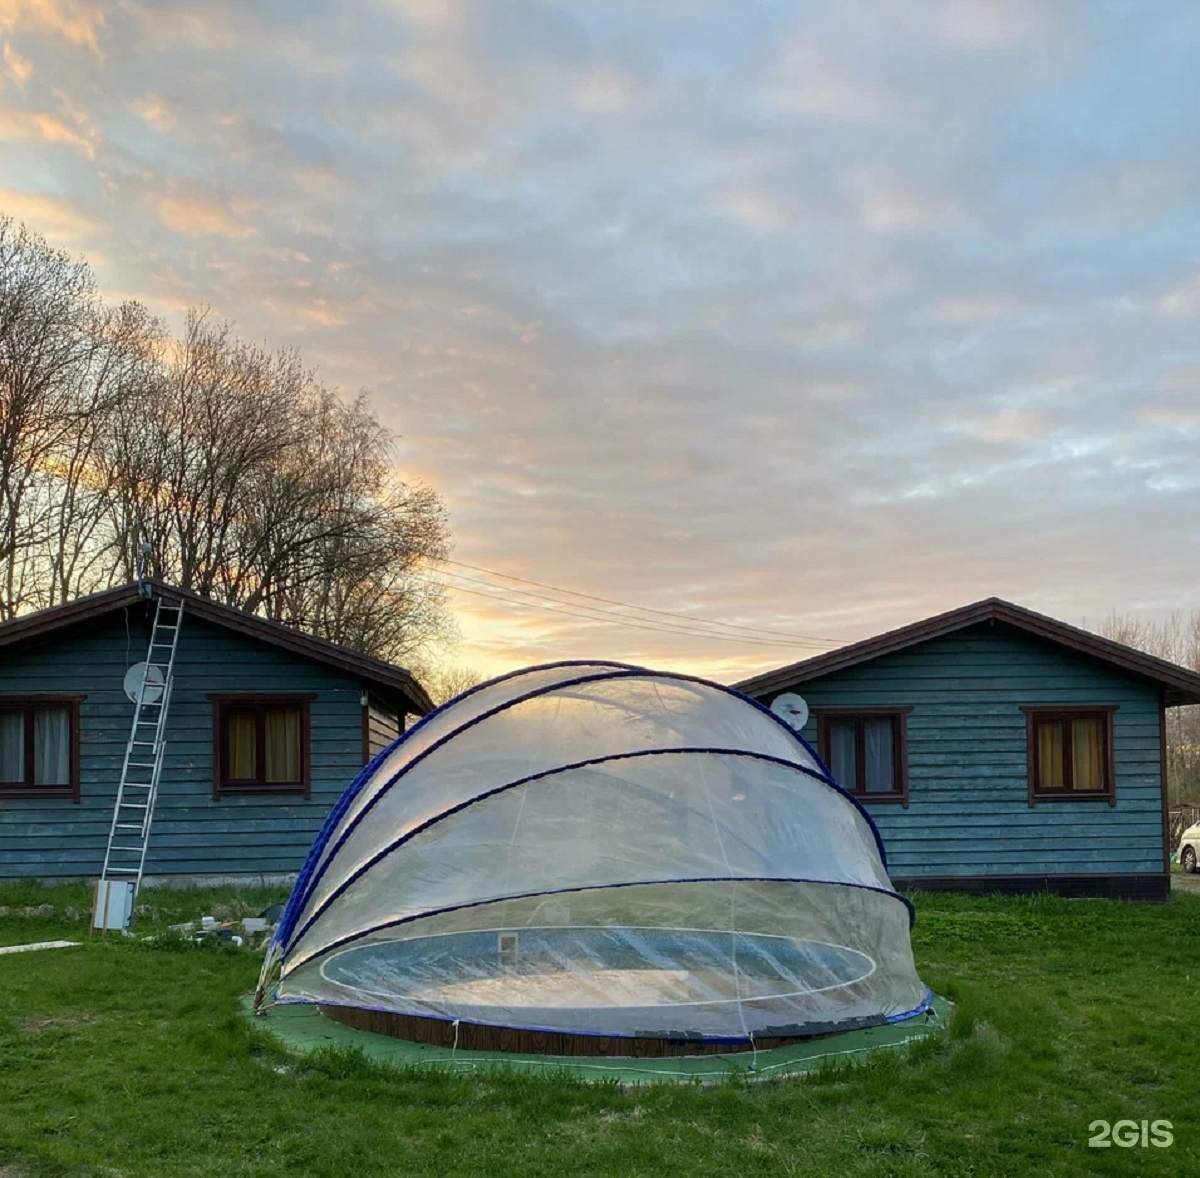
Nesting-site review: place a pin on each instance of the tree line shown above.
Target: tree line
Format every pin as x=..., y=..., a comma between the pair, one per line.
x=1176, y=639
x=252, y=481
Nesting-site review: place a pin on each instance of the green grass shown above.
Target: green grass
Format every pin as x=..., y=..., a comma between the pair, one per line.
x=128, y=1058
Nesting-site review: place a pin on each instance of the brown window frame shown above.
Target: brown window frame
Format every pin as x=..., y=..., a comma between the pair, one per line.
x=1036, y=714
x=899, y=717
x=28, y=704
x=225, y=702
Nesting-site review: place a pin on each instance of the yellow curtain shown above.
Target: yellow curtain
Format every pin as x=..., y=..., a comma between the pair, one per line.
x=240, y=729
x=1050, y=756
x=283, y=745
x=1087, y=753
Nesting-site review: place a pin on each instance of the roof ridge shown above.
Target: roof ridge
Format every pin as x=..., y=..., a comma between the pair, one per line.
x=52, y=618
x=1181, y=683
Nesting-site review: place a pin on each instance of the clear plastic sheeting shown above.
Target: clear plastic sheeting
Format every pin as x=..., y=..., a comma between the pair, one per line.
x=604, y=850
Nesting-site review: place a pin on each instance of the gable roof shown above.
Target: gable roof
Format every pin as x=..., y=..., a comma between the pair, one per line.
x=396, y=680
x=1181, y=685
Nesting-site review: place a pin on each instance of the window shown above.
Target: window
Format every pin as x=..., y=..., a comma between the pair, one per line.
x=1070, y=754
x=260, y=744
x=39, y=746
x=866, y=750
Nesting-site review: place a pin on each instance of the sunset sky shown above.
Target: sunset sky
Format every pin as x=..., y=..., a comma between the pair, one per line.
x=813, y=318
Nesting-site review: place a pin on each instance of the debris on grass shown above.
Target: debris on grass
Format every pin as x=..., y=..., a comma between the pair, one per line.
x=37, y=945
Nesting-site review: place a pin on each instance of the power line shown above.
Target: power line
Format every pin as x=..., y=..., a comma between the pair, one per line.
x=616, y=619
x=606, y=616
x=646, y=608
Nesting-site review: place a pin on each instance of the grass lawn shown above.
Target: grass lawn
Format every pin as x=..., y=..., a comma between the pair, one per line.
x=120, y=1058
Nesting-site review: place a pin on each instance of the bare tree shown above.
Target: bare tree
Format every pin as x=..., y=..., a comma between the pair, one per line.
x=66, y=361
x=260, y=487
x=216, y=412
x=340, y=543
x=443, y=680
x=1176, y=639
x=86, y=551
x=253, y=482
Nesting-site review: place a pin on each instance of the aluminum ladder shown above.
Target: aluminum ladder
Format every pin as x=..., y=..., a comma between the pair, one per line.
x=137, y=791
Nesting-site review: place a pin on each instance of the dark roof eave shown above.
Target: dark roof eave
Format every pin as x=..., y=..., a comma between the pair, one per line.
x=1180, y=686
x=377, y=672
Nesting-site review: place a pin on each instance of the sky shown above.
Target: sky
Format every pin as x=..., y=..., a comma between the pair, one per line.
x=809, y=318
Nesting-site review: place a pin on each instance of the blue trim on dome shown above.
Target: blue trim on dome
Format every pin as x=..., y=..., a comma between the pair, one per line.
x=467, y=803
x=635, y=883
x=312, y=873
x=921, y=1008
x=292, y=908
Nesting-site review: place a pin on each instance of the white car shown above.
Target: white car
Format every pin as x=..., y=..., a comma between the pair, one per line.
x=1189, y=848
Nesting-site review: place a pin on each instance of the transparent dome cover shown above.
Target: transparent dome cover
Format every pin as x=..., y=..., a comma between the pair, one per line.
x=601, y=849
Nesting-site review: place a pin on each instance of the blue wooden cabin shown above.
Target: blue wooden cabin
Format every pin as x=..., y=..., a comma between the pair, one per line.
x=998, y=749
x=266, y=727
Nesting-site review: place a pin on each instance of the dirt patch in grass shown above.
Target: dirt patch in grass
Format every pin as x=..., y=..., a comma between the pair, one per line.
x=36, y=1026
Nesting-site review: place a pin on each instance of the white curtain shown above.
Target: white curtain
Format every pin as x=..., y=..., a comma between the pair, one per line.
x=12, y=747
x=880, y=761
x=52, y=746
x=842, y=762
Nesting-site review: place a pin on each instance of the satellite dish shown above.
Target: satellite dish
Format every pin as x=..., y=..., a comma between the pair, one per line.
x=153, y=678
x=791, y=709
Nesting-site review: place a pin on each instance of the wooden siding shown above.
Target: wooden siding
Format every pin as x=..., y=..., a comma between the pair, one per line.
x=381, y=725
x=968, y=808
x=192, y=834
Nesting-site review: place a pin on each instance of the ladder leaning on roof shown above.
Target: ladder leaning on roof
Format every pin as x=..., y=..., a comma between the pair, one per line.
x=137, y=791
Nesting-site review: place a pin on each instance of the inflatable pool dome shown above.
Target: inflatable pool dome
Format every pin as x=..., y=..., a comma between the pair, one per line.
x=597, y=858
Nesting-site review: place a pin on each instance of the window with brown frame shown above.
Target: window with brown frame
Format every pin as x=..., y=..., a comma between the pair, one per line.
x=1070, y=754
x=39, y=746
x=866, y=750
x=261, y=744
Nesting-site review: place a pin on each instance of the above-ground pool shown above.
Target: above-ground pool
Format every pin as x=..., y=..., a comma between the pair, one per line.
x=598, y=856
x=702, y=987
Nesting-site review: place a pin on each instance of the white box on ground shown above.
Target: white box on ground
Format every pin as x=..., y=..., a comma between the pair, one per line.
x=113, y=904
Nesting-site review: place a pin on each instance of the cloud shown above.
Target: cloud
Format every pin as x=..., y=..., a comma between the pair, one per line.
x=154, y=111
x=886, y=204
x=78, y=21
x=58, y=220
x=40, y=127
x=814, y=317
x=971, y=312
x=1182, y=301
x=811, y=81
x=1011, y=425
x=19, y=68
x=605, y=91
x=994, y=24
x=200, y=215
x=1181, y=415
x=757, y=210
x=216, y=27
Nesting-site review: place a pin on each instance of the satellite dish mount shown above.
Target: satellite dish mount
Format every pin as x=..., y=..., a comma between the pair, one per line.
x=151, y=676
x=791, y=709
x=143, y=551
